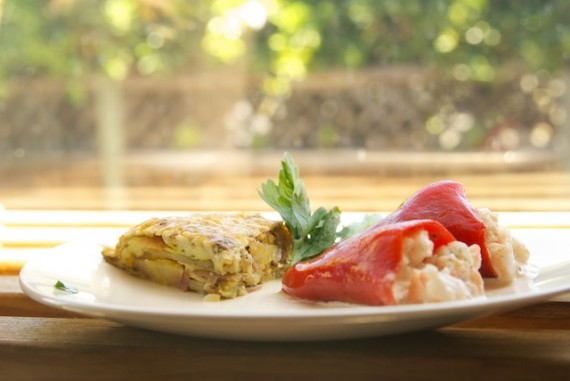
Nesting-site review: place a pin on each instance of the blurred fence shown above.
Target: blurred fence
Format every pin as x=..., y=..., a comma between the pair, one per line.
x=394, y=109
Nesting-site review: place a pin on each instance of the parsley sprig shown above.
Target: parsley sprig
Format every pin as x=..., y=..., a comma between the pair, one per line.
x=312, y=232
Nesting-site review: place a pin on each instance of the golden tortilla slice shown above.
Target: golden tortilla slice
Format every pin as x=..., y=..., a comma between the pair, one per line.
x=222, y=255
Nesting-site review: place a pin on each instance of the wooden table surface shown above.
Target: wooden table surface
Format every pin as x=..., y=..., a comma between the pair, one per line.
x=41, y=343
x=38, y=343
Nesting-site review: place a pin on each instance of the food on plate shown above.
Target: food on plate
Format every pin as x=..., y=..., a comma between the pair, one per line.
x=436, y=247
x=221, y=255
x=407, y=262
x=503, y=256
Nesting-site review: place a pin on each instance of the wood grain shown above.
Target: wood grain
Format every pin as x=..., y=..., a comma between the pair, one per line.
x=524, y=191
x=95, y=349
x=37, y=342
x=42, y=343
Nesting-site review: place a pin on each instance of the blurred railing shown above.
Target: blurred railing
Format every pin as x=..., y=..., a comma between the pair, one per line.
x=388, y=109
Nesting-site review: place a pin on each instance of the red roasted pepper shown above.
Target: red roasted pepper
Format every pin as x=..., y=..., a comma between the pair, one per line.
x=361, y=269
x=447, y=203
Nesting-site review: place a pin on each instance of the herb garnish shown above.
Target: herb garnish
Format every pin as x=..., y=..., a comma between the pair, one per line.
x=63, y=287
x=312, y=232
x=359, y=226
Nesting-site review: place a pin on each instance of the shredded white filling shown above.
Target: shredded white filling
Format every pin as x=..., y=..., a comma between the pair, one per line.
x=451, y=273
x=508, y=256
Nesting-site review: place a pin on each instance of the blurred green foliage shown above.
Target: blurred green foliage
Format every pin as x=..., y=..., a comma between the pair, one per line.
x=283, y=38
x=472, y=39
x=474, y=43
x=116, y=37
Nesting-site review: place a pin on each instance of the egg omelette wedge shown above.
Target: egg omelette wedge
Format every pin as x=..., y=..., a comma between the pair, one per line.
x=219, y=255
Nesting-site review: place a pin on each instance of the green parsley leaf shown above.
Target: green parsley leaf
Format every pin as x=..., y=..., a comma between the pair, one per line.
x=358, y=226
x=59, y=285
x=312, y=232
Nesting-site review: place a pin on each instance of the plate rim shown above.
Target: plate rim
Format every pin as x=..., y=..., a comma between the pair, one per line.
x=324, y=310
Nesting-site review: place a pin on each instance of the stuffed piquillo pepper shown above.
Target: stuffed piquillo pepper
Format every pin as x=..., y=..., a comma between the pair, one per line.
x=417, y=261
x=502, y=256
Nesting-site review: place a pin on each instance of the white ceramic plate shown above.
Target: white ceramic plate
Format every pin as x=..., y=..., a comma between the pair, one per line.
x=266, y=314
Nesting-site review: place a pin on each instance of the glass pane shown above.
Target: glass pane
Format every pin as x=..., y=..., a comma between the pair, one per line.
x=175, y=104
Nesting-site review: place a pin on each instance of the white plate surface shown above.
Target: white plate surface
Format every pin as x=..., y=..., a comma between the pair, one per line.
x=265, y=314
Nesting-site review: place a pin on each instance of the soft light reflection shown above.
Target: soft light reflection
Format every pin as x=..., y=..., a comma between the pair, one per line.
x=228, y=25
x=510, y=156
x=149, y=64
x=225, y=31
x=492, y=37
x=260, y=124
x=528, y=83
x=541, y=135
x=482, y=70
x=461, y=72
x=361, y=155
x=557, y=88
x=155, y=40
x=152, y=35
x=117, y=67
x=557, y=116
x=542, y=98
x=435, y=125
x=509, y=138
x=119, y=14
x=19, y=153
x=360, y=14
x=462, y=121
x=474, y=35
x=460, y=12
x=254, y=14
x=446, y=41
x=450, y=139
x=277, y=42
x=482, y=32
